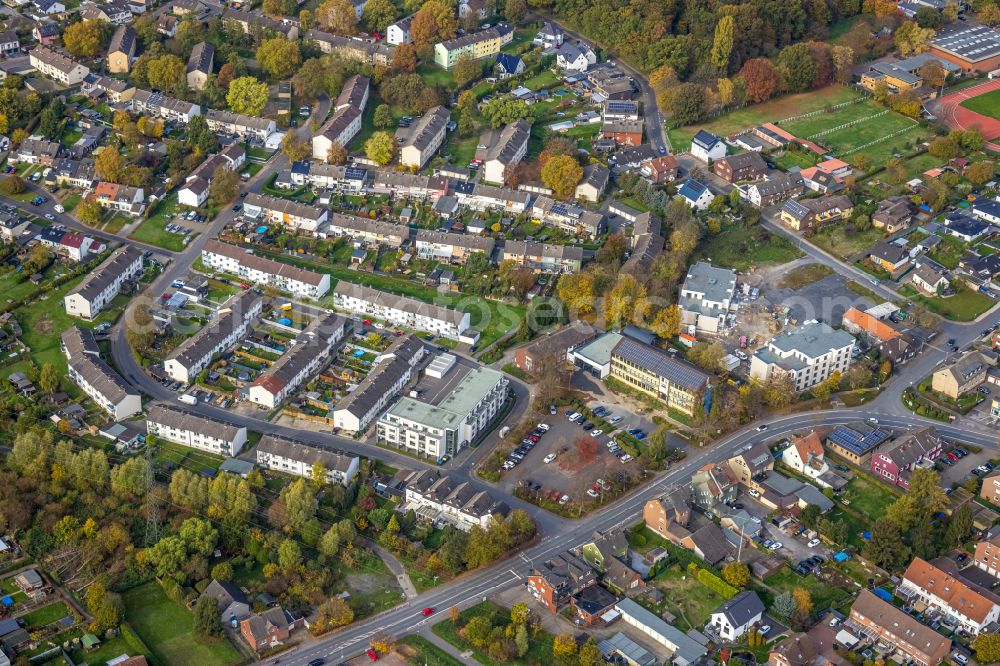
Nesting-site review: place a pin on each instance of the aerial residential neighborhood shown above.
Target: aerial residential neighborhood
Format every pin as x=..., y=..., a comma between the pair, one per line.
x=472, y=333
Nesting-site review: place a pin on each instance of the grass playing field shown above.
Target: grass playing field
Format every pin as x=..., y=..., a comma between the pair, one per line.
x=987, y=104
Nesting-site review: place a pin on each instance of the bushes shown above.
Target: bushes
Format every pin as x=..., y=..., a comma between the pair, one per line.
x=712, y=582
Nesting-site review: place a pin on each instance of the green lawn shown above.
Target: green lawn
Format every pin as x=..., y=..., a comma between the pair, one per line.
x=685, y=597
x=804, y=275
x=153, y=230
x=436, y=76
x=987, y=104
x=116, y=223
x=772, y=111
x=963, y=306
x=948, y=252
x=46, y=615
x=544, y=79
x=166, y=627
x=806, y=127
x=491, y=318
x=539, y=650
x=425, y=653
x=71, y=201
x=127, y=643
x=740, y=248
x=44, y=321
x=843, y=242
x=868, y=497
x=823, y=595
x=186, y=456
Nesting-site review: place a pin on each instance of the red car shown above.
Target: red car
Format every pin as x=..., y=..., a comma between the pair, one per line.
x=372, y=654
x=165, y=297
x=533, y=438
x=244, y=285
x=367, y=322
x=427, y=611
x=952, y=457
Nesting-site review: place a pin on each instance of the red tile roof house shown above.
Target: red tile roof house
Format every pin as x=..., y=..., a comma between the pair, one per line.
x=554, y=582
x=264, y=631
x=895, y=464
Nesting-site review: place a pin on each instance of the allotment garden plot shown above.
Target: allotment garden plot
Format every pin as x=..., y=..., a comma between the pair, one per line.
x=855, y=129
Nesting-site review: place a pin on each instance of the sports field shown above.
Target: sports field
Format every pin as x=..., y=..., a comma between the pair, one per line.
x=987, y=104
x=771, y=111
x=807, y=127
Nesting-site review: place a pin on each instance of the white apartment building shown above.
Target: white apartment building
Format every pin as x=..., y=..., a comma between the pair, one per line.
x=55, y=65
x=452, y=248
x=195, y=431
x=161, y=106
x=509, y=148
x=400, y=310
x=95, y=377
x=194, y=192
x=424, y=138
x=349, y=179
x=345, y=123
x=98, y=289
x=399, y=32
x=449, y=502
x=309, y=353
x=239, y=125
x=707, y=297
x=809, y=354
x=450, y=424
x=291, y=457
x=298, y=216
x=389, y=373
x=479, y=196
x=260, y=270
x=371, y=232
x=230, y=324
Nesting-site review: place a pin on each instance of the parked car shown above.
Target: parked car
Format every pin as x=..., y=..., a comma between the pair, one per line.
x=549, y=458
x=813, y=543
x=615, y=420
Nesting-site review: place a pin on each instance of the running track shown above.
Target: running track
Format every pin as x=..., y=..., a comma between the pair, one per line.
x=958, y=117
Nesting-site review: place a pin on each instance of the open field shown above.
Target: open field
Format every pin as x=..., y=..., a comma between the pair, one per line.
x=153, y=230
x=822, y=594
x=771, y=111
x=804, y=275
x=843, y=242
x=740, y=248
x=539, y=652
x=869, y=497
x=686, y=597
x=806, y=127
x=963, y=306
x=987, y=104
x=166, y=628
x=46, y=615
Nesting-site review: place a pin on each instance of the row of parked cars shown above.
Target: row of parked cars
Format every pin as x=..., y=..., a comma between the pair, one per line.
x=954, y=456
x=809, y=564
x=602, y=412
x=517, y=455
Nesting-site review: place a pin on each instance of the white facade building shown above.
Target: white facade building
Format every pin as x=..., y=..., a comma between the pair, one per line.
x=291, y=457
x=260, y=270
x=95, y=377
x=809, y=354
x=400, y=310
x=195, y=431
x=99, y=288
x=230, y=324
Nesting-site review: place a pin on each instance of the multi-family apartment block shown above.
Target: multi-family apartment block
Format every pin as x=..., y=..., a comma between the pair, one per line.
x=230, y=324
x=100, y=286
x=260, y=270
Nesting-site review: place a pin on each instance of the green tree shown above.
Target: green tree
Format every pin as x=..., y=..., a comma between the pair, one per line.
x=886, y=547
x=12, y=185
x=504, y=110
x=562, y=173
x=110, y=165
x=590, y=654
x=378, y=15
x=223, y=571
x=89, y=211
x=337, y=16
x=667, y=322
x=49, y=378
x=168, y=72
x=799, y=68
x=380, y=148
x=133, y=477
x=383, y=117
x=329, y=544
x=289, y=555
x=279, y=57
x=466, y=71
x=478, y=630
x=688, y=103
x=83, y=39
x=736, y=574
x=784, y=605
x=722, y=46
x=987, y=647
x=515, y=10
x=295, y=148
x=564, y=649
x=247, y=95
x=225, y=185
x=207, y=623
x=198, y=535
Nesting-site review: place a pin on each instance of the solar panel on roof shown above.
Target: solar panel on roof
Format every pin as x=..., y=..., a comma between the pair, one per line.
x=354, y=173
x=857, y=442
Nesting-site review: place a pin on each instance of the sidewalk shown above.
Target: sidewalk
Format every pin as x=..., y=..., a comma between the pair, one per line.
x=397, y=569
x=464, y=657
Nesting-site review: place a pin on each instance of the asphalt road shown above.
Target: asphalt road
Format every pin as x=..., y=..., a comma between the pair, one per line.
x=555, y=534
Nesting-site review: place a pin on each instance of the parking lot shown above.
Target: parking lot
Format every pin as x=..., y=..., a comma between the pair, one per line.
x=577, y=459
